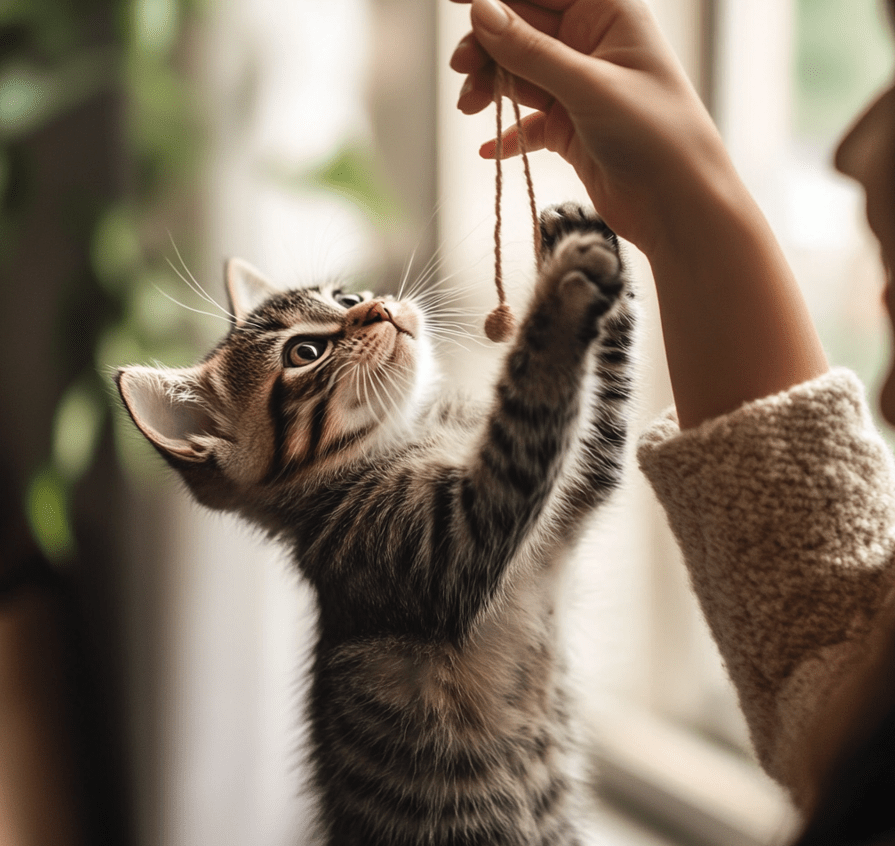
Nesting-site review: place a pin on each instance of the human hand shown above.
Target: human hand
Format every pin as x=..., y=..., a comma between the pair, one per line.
x=610, y=97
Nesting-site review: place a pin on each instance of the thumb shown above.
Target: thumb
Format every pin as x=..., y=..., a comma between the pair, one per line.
x=527, y=52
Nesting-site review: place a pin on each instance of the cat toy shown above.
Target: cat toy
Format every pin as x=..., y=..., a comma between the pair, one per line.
x=500, y=322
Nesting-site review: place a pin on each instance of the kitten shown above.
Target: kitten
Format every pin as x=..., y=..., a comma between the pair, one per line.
x=432, y=531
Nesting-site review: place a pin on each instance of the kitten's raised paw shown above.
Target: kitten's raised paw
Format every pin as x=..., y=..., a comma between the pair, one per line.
x=563, y=219
x=587, y=275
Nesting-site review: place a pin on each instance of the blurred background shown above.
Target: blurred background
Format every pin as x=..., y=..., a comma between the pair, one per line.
x=144, y=141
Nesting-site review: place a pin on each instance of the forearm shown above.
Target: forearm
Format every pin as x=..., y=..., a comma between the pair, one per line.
x=735, y=324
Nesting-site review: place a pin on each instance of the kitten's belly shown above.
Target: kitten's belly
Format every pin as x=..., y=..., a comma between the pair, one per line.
x=437, y=740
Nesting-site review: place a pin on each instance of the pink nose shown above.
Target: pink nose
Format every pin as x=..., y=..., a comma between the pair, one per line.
x=363, y=314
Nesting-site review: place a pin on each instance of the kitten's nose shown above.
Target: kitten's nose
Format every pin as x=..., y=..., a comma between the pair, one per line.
x=364, y=314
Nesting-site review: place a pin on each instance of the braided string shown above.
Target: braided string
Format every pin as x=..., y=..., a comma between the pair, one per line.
x=498, y=188
x=523, y=150
x=499, y=323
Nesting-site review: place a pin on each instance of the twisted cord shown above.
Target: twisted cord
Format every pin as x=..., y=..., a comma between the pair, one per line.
x=499, y=323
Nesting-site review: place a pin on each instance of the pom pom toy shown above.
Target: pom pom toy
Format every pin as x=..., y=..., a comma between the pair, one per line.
x=499, y=324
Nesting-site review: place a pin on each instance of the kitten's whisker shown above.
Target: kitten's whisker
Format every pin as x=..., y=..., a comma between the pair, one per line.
x=438, y=206
x=440, y=253
x=462, y=325
x=446, y=326
x=376, y=378
x=455, y=337
x=431, y=267
x=406, y=275
x=434, y=302
x=365, y=373
x=229, y=318
x=460, y=319
x=386, y=379
x=428, y=272
x=394, y=413
x=190, y=308
x=192, y=282
x=423, y=280
x=426, y=278
x=333, y=379
x=454, y=293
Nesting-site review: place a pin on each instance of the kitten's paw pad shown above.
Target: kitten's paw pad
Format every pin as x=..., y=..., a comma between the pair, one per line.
x=592, y=256
x=556, y=222
x=588, y=273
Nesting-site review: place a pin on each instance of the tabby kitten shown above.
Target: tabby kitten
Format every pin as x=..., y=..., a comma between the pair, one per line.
x=432, y=531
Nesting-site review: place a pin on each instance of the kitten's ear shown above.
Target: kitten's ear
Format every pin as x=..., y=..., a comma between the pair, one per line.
x=168, y=409
x=247, y=288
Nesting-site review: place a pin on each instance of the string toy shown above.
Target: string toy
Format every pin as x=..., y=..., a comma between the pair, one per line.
x=500, y=322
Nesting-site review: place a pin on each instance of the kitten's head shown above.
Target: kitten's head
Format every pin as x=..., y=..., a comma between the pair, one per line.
x=304, y=381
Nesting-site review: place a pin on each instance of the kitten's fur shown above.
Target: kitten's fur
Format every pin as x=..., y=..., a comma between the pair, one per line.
x=431, y=531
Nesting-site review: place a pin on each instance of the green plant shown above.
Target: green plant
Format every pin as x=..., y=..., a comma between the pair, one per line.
x=58, y=56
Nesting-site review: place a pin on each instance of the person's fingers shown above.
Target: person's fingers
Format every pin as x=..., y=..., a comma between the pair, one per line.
x=528, y=52
x=475, y=96
x=555, y=5
x=468, y=57
x=533, y=134
x=477, y=92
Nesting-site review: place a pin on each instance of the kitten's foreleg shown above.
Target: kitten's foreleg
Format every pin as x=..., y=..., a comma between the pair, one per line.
x=499, y=497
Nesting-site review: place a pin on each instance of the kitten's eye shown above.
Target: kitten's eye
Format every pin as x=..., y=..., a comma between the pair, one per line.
x=347, y=300
x=304, y=352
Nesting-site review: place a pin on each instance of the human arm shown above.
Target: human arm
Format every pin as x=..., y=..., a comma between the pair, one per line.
x=612, y=99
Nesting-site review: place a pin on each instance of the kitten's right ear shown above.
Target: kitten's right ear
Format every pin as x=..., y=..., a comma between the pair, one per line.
x=247, y=288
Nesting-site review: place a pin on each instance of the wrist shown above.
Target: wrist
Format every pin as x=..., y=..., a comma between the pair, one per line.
x=700, y=192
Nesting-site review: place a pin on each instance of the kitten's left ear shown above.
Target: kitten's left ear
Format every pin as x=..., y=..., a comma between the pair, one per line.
x=173, y=410
x=168, y=409
x=247, y=288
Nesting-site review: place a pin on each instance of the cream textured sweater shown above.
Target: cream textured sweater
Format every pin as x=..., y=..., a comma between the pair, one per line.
x=785, y=512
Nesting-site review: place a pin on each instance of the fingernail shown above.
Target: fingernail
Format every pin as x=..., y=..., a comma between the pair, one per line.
x=492, y=15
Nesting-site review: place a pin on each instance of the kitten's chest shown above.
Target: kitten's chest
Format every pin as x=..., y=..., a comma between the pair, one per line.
x=501, y=682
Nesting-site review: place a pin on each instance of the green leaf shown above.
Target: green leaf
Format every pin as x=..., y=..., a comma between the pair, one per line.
x=115, y=250
x=155, y=25
x=47, y=509
x=32, y=95
x=76, y=429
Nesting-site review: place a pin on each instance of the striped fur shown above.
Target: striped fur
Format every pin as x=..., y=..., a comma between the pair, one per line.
x=432, y=531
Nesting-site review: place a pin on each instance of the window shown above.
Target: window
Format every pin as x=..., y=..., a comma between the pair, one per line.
x=233, y=614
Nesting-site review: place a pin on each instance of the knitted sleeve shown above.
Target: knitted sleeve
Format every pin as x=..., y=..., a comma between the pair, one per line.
x=785, y=513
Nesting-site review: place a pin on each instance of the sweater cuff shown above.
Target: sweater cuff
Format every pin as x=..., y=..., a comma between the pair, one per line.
x=784, y=511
